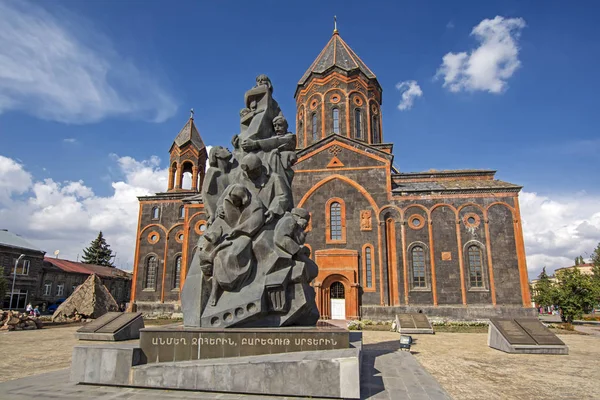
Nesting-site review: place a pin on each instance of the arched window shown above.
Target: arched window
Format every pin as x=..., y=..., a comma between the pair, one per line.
x=375, y=129
x=177, y=273
x=315, y=129
x=335, y=216
x=418, y=267
x=358, y=123
x=151, y=268
x=182, y=212
x=335, y=115
x=300, y=134
x=336, y=290
x=368, y=267
x=475, y=267
x=155, y=213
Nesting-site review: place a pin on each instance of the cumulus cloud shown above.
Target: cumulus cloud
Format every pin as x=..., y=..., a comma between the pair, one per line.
x=409, y=90
x=70, y=140
x=68, y=72
x=558, y=229
x=68, y=215
x=488, y=66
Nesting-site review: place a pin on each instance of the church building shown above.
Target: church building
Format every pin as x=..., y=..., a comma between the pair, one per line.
x=447, y=243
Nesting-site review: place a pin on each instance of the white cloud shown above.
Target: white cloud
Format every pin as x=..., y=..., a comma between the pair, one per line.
x=70, y=140
x=56, y=67
x=487, y=67
x=68, y=215
x=558, y=229
x=450, y=25
x=410, y=91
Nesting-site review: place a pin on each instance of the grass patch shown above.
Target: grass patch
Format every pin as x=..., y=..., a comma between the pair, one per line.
x=460, y=329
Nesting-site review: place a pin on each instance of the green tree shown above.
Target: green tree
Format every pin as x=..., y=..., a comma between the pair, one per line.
x=98, y=252
x=3, y=284
x=575, y=294
x=596, y=282
x=596, y=255
x=544, y=290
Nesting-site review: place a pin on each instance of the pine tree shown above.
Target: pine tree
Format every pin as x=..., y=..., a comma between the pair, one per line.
x=3, y=284
x=545, y=292
x=98, y=252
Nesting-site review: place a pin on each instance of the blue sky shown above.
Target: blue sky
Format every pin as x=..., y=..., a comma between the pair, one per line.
x=121, y=77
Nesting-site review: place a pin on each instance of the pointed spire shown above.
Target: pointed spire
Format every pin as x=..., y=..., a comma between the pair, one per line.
x=335, y=31
x=191, y=113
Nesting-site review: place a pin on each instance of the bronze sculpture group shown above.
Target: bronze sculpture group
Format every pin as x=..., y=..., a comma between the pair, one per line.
x=251, y=268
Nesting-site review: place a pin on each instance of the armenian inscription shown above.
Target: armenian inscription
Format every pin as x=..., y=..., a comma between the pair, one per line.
x=181, y=345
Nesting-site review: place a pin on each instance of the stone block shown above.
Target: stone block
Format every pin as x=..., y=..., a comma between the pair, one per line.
x=113, y=326
x=330, y=373
x=109, y=364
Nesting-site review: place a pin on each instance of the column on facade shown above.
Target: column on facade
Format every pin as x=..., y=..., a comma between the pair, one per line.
x=171, y=176
x=179, y=177
x=384, y=266
x=195, y=178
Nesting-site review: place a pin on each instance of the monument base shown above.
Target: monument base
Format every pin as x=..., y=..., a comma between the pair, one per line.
x=317, y=362
x=523, y=336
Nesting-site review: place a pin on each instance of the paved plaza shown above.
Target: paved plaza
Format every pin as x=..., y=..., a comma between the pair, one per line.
x=444, y=365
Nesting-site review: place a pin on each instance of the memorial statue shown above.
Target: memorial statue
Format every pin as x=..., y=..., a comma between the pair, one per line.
x=251, y=268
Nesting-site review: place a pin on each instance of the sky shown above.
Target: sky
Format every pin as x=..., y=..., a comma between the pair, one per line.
x=92, y=95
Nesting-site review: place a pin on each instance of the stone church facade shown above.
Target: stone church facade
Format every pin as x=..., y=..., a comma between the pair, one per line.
x=447, y=243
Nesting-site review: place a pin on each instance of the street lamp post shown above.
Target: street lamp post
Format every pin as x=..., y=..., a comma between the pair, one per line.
x=12, y=292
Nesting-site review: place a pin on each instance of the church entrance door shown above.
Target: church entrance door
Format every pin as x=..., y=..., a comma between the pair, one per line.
x=338, y=301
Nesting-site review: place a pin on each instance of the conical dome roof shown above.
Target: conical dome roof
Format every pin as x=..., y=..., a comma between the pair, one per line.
x=338, y=54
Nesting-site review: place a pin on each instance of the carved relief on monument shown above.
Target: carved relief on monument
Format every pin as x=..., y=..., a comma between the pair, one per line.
x=365, y=220
x=251, y=267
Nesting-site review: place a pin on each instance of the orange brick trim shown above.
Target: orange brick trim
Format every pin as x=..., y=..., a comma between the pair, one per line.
x=366, y=287
x=198, y=227
x=390, y=225
x=351, y=182
x=153, y=237
x=136, y=257
x=471, y=220
x=526, y=295
x=328, y=205
x=488, y=248
x=416, y=221
x=461, y=265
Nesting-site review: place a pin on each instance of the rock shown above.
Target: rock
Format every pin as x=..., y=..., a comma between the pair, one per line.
x=4, y=327
x=12, y=320
x=39, y=324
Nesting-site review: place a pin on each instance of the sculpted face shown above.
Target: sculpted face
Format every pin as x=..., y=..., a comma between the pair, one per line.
x=280, y=125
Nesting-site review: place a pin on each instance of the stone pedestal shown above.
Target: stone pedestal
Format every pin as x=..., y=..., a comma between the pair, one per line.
x=322, y=361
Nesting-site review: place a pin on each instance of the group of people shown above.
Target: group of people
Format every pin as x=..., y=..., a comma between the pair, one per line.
x=34, y=312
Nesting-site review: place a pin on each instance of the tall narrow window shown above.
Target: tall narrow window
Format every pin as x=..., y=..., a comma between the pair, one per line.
x=47, y=288
x=151, y=267
x=375, y=129
x=315, y=130
x=368, y=264
x=336, y=120
x=335, y=216
x=475, y=268
x=60, y=289
x=300, y=134
x=418, y=267
x=155, y=213
x=182, y=212
x=358, y=123
x=177, y=272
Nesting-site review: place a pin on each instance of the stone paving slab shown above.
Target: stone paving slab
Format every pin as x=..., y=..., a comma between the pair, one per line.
x=388, y=373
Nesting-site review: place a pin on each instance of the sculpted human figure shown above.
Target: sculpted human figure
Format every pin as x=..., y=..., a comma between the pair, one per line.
x=270, y=188
x=251, y=267
x=240, y=217
x=289, y=238
x=216, y=180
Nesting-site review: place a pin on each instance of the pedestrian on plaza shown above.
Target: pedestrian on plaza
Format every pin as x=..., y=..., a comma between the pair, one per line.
x=29, y=309
x=36, y=311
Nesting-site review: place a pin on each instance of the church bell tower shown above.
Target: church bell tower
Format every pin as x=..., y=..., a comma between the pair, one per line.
x=338, y=94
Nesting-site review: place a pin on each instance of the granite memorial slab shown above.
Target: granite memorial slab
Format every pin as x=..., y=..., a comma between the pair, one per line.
x=113, y=326
x=410, y=323
x=524, y=335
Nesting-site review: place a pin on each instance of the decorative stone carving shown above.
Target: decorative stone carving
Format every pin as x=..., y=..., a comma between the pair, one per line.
x=365, y=220
x=251, y=267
